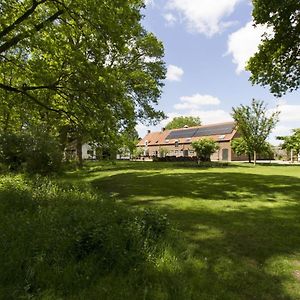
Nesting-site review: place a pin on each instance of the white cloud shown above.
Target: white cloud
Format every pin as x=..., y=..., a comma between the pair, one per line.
x=204, y=16
x=243, y=43
x=170, y=19
x=289, y=113
x=206, y=116
x=289, y=118
x=196, y=101
x=174, y=73
x=149, y=2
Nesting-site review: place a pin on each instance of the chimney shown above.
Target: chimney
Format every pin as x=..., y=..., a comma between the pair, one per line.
x=163, y=129
x=148, y=131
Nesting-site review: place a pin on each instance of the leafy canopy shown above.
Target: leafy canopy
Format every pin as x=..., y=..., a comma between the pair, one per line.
x=291, y=142
x=205, y=148
x=277, y=63
x=81, y=63
x=254, y=124
x=180, y=122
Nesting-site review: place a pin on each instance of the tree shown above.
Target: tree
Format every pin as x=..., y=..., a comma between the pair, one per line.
x=240, y=147
x=276, y=63
x=292, y=142
x=163, y=152
x=205, y=148
x=180, y=122
x=86, y=64
x=254, y=125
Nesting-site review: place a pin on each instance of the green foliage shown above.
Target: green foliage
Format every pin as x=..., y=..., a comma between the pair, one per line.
x=12, y=150
x=137, y=152
x=180, y=122
x=36, y=152
x=239, y=146
x=85, y=64
x=291, y=142
x=254, y=125
x=163, y=151
x=66, y=241
x=43, y=154
x=205, y=148
x=276, y=64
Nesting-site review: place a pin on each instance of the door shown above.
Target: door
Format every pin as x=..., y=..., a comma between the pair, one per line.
x=225, y=154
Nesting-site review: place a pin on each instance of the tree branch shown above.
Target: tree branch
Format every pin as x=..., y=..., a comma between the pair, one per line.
x=21, y=19
x=19, y=37
x=33, y=99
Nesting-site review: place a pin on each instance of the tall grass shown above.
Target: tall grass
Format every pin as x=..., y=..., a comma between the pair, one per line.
x=63, y=242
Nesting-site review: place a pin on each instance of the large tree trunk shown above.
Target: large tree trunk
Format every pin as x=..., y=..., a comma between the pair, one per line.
x=249, y=158
x=79, y=151
x=254, y=157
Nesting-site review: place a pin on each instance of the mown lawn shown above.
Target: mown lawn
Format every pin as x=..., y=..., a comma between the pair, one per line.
x=241, y=223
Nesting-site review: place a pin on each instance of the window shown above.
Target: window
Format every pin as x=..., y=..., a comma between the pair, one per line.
x=176, y=143
x=146, y=143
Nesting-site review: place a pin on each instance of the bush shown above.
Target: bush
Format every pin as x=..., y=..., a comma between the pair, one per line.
x=205, y=148
x=43, y=154
x=12, y=148
x=36, y=152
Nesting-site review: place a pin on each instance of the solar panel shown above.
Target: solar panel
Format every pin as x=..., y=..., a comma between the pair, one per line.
x=182, y=133
x=197, y=132
x=214, y=130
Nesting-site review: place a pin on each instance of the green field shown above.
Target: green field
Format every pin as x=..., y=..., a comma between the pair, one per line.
x=242, y=223
x=237, y=233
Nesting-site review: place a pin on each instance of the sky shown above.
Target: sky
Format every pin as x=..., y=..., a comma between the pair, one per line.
x=207, y=43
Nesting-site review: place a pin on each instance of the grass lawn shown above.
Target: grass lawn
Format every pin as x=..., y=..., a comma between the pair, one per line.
x=241, y=223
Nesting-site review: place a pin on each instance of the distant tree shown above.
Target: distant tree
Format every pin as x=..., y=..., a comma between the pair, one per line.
x=292, y=142
x=205, y=148
x=240, y=147
x=276, y=63
x=180, y=122
x=254, y=125
x=163, y=152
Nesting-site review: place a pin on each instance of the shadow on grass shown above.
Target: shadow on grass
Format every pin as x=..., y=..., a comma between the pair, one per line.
x=208, y=186
x=92, y=168
x=240, y=249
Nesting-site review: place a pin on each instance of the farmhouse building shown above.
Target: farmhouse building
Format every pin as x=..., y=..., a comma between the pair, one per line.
x=177, y=142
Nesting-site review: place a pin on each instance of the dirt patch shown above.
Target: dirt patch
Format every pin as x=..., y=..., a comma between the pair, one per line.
x=296, y=274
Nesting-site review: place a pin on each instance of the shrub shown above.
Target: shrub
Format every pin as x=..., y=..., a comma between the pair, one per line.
x=43, y=154
x=205, y=148
x=12, y=148
x=38, y=152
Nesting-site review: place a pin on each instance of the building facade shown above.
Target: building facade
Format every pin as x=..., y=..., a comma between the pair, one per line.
x=177, y=142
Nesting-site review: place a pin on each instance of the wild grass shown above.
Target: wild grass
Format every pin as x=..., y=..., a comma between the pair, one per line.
x=106, y=232
x=59, y=241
